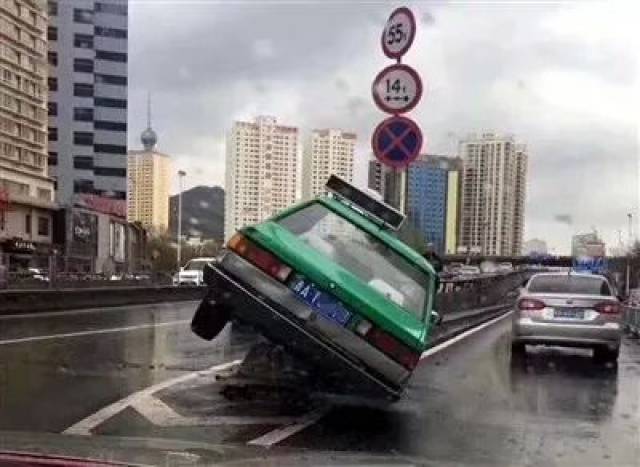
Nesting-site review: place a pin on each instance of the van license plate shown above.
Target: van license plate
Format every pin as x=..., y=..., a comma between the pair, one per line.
x=320, y=301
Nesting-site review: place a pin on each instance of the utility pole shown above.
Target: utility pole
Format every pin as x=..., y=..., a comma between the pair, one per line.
x=181, y=174
x=628, y=269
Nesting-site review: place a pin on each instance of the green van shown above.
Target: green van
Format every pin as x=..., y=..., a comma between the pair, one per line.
x=329, y=281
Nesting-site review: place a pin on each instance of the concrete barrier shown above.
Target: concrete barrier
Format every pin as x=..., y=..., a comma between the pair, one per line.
x=32, y=301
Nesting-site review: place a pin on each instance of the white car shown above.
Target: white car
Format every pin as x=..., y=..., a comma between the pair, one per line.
x=191, y=273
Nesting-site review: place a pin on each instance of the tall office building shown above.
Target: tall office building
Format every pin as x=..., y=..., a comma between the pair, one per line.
x=261, y=175
x=385, y=180
x=327, y=152
x=149, y=181
x=26, y=191
x=433, y=195
x=494, y=190
x=88, y=98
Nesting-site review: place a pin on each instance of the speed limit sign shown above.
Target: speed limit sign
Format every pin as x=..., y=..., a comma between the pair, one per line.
x=398, y=33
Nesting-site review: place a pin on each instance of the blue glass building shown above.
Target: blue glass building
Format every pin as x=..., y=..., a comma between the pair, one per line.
x=432, y=200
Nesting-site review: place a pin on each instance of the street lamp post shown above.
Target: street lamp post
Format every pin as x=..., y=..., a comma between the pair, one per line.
x=628, y=269
x=181, y=174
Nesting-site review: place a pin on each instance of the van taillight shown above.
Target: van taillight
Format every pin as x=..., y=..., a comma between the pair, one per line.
x=607, y=308
x=392, y=347
x=259, y=257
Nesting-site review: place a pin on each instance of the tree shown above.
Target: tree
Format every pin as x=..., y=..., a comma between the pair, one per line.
x=162, y=251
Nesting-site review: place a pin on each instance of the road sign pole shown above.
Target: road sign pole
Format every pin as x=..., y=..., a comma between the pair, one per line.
x=397, y=89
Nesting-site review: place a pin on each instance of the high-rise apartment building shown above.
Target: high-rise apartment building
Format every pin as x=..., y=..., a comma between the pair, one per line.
x=494, y=190
x=433, y=200
x=149, y=182
x=327, y=152
x=261, y=175
x=26, y=191
x=389, y=183
x=88, y=98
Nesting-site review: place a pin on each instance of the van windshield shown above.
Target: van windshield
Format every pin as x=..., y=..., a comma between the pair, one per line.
x=362, y=254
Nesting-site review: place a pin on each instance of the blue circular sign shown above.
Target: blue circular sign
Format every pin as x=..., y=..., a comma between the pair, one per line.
x=397, y=141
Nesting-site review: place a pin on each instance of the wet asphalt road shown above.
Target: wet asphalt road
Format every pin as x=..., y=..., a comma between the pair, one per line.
x=468, y=404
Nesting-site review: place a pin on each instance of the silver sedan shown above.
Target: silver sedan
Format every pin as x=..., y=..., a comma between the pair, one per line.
x=571, y=310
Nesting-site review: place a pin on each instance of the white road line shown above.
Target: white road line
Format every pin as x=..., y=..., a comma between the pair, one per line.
x=280, y=434
x=162, y=307
x=160, y=414
x=464, y=335
x=84, y=427
x=93, y=332
x=140, y=401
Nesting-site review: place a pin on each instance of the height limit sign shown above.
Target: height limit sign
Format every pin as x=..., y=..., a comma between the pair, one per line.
x=397, y=89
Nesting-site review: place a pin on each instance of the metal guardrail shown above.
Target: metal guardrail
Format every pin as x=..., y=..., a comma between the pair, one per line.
x=631, y=319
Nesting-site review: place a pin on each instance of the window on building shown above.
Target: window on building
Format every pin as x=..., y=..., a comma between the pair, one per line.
x=114, y=9
x=83, y=138
x=81, y=15
x=83, y=162
x=52, y=108
x=83, y=90
x=27, y=224
x=83, y=65
x=53, y=158
x=52, y=83
x=83, y=186
x=110, y=172
x=52, y=7
x=43, y=226
x=52, y=58
x=110, y=148
x=110, y=32
x=108, y=102
x=52, y=33
x=111, y=79
x=53, y=133
x=83, y=114
x=110, y=126
x=83, y=41
x=111, y=56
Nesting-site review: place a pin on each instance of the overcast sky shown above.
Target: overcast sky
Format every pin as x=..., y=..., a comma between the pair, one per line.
x=563, y=78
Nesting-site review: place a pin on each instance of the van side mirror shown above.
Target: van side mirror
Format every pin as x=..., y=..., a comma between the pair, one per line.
x=436, y=318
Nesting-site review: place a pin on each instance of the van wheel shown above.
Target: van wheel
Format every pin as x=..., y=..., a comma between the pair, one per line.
x=209, y=319
x=604, y=354
x=518, y=349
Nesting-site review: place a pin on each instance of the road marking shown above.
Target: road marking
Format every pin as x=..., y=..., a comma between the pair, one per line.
x=164, y=306
x=84, y=427
x=160, y=414
x=464, y=335
x=94, y=332
x=280, y=434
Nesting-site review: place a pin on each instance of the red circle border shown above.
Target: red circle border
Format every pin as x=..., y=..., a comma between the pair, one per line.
x=378, y=153
x=405, y=49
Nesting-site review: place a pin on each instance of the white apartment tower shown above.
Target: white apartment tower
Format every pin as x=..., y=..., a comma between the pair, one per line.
x=327, y=152
x=494, y=191
x=261, y=171
x=88, y=98
x=26, y=191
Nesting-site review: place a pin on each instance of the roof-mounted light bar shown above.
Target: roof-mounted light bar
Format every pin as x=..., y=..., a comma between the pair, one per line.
x=390, y=217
